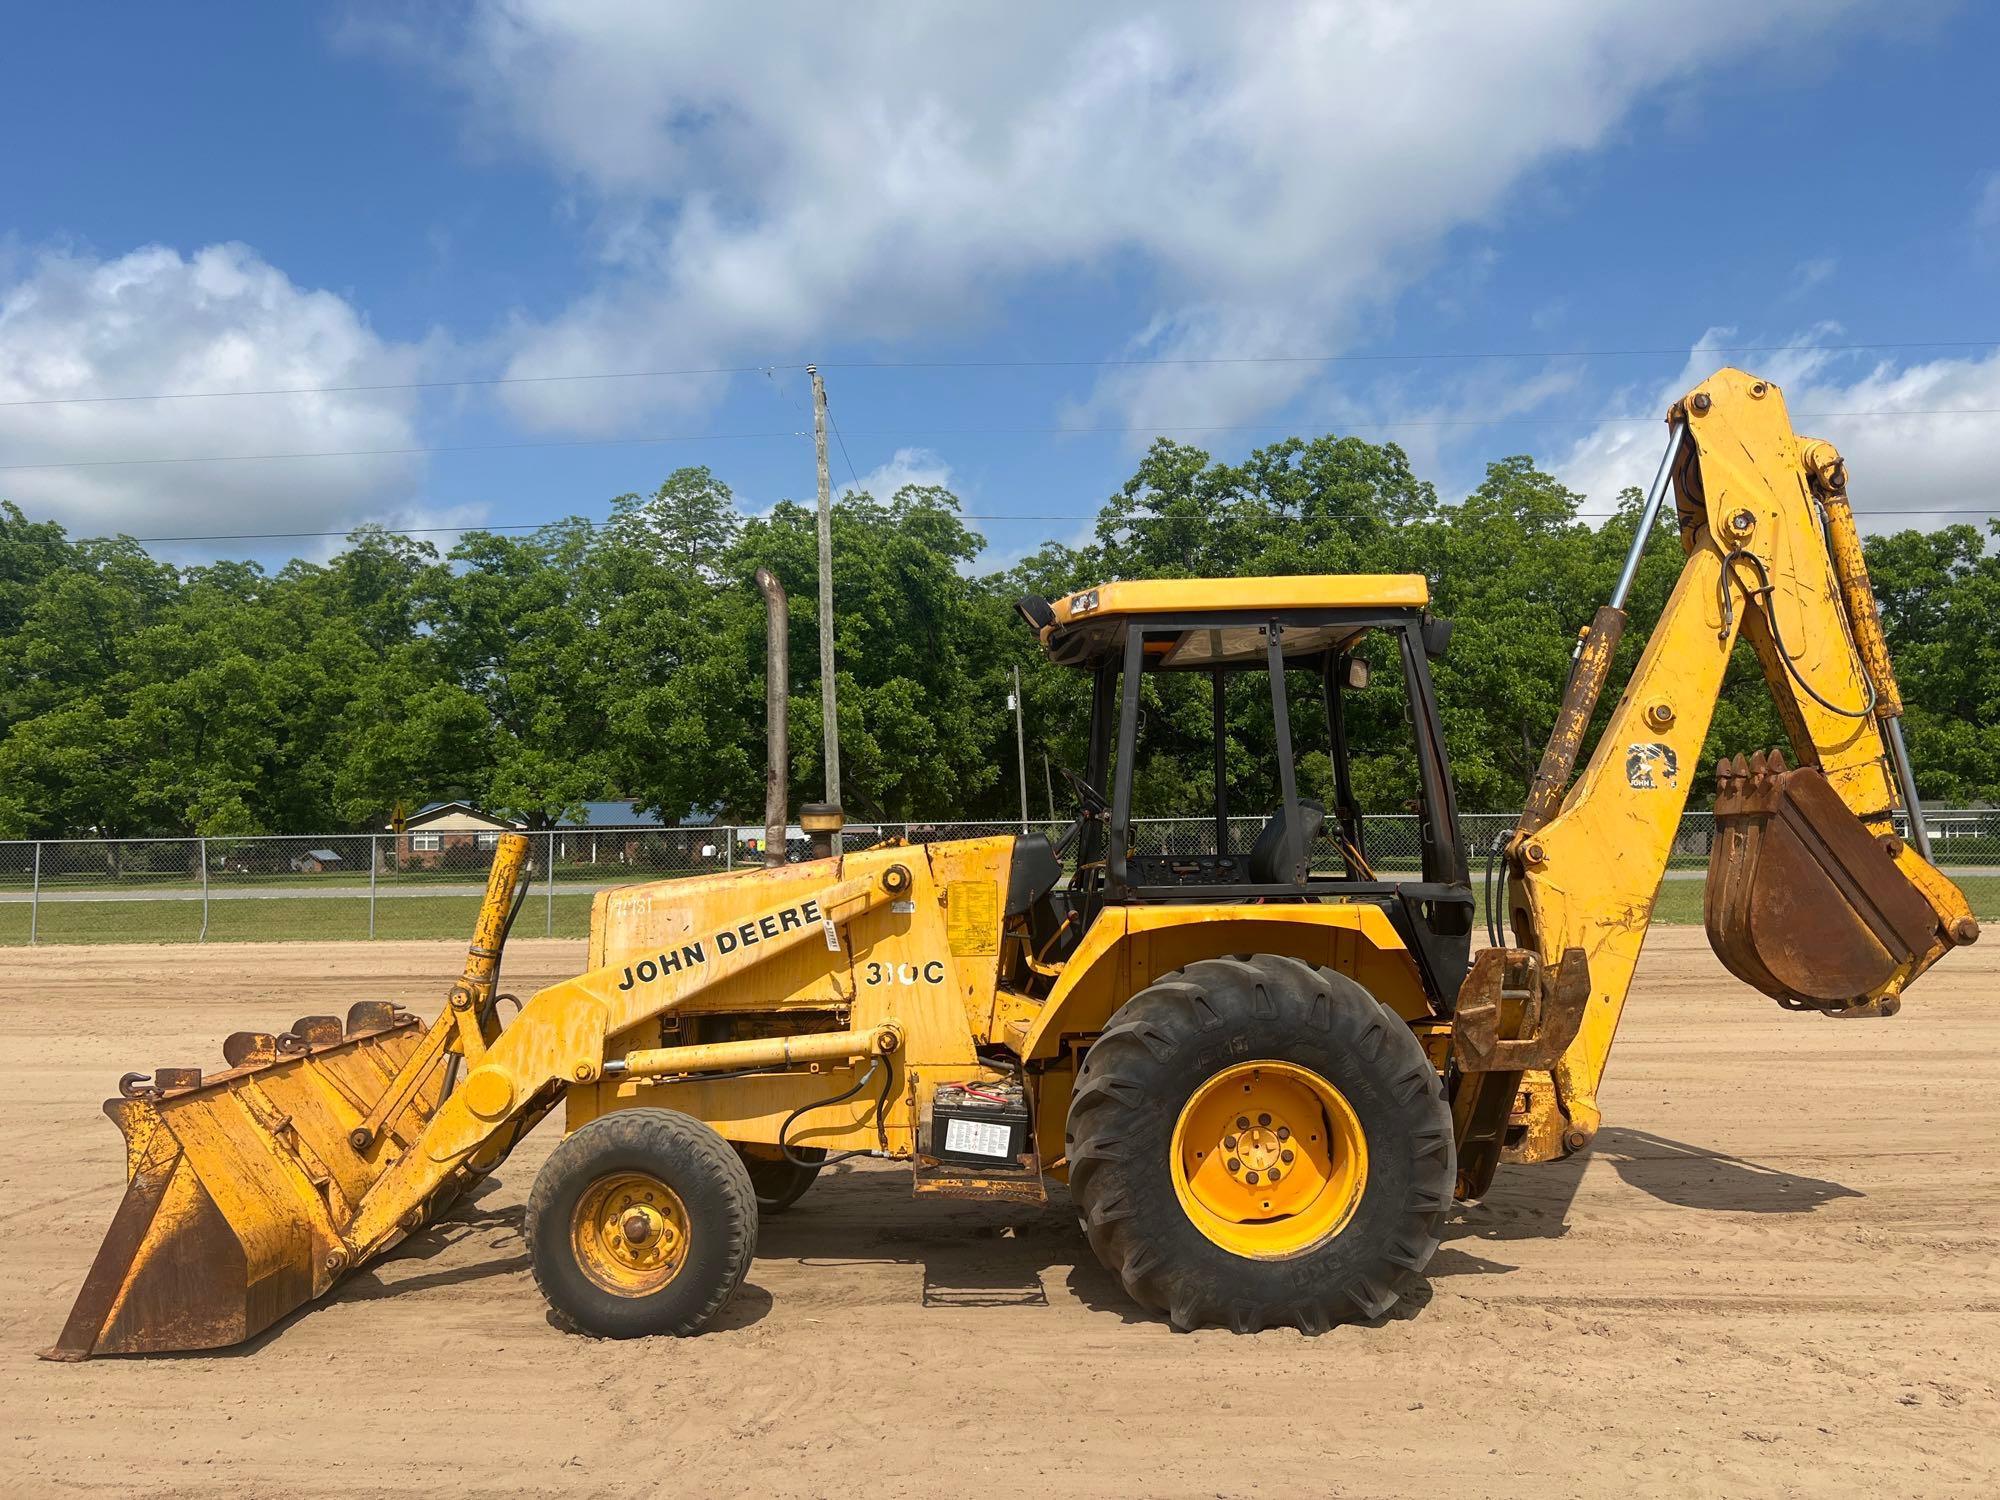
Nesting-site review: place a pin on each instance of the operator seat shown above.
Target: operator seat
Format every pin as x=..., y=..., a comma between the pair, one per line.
x=1267, y=854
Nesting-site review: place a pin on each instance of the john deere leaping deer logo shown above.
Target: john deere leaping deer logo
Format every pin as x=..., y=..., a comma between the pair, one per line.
x=1651, y=767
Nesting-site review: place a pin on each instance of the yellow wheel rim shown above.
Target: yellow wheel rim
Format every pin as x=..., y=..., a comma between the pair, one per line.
x=630, y=1234
x=1269, y=1159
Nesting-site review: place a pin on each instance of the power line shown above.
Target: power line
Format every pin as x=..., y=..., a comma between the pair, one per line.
x=244, y=458
x=843, y=446
x=1680, y=352
x=935, y=432
x=1113, y=362
x=393, y=385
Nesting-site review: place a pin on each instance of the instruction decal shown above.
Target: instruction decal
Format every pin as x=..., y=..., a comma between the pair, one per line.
x=1652, y=767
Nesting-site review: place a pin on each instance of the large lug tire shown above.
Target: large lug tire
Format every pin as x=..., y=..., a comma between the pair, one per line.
x=781, y=1181
x=642, y=1222
x=1325, y=1060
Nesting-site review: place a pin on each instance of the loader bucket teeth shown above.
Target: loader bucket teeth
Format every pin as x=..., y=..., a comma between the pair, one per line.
x=239, y=1185
x=1803, y=901
x=365, y=1017
x=317, y=1031
x=249, y=1049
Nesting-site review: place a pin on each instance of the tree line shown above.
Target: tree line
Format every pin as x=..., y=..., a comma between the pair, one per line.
x=531, y=673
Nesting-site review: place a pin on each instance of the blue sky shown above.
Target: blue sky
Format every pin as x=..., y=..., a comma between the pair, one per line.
x=960, y=214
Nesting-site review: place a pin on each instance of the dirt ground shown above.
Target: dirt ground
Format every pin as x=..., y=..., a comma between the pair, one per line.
x=1778, y=1272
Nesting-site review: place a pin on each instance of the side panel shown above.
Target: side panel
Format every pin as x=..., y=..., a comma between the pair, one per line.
x=896, y=964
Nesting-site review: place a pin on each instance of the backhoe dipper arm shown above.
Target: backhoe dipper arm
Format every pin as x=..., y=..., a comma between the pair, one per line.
x=1771, y=553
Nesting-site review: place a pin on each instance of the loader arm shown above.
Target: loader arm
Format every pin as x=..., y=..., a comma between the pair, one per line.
x=251, y=1192
x=1812, y=897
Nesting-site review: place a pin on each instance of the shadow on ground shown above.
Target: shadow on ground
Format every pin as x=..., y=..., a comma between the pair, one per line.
x=1533, y=1202
x=981, y=1254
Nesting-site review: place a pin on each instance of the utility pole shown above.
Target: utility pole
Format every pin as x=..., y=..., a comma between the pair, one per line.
x=777, y=693
x=828, y=709
x=1021, y=748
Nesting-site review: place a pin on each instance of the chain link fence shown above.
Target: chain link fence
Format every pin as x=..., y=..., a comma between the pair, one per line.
x=337, y=886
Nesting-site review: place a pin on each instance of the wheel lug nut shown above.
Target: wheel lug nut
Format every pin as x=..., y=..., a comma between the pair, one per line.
x=1284, y=1132
x=1285, y=1157
x=1251, y=1178
x=1229, y=1143
x=1263, y=1119
x=1274, y=1174
x=1235, y=1165
x=1242, y=1122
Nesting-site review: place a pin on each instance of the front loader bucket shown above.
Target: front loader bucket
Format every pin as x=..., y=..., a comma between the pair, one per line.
x=237, y=1181
x=1803, y=901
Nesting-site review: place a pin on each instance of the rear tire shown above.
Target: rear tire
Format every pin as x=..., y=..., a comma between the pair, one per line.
x=1340, y=1065
x=642, y=1222
x=780, y=1181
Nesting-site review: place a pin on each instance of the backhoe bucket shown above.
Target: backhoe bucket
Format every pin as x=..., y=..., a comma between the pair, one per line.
x=1803, y=901
x=237, y=1180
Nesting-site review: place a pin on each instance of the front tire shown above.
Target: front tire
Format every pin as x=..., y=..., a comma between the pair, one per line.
x=642, y=1222
x=1301, y=1072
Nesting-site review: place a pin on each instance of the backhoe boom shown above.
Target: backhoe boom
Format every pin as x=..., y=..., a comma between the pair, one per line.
x=1771, y=554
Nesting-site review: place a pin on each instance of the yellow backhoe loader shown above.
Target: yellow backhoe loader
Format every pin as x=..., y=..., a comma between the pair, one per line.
x=1264, y=1073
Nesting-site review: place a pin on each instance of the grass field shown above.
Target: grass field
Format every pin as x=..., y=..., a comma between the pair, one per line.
x=335, y=918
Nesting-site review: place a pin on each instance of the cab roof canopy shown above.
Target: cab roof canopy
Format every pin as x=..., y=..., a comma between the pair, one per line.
x=1202, y=624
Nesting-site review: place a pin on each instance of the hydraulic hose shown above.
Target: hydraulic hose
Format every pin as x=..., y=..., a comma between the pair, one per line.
x=881, y=1113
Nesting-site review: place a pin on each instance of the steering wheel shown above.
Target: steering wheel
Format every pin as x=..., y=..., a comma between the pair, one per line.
x=1088, y=797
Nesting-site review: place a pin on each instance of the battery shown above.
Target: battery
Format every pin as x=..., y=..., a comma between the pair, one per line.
x=980, y=1124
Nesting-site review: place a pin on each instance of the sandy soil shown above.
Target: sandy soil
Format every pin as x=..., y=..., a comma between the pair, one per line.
x=1777, y=1273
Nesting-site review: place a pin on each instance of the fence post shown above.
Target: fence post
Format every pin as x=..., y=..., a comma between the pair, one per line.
x=35, y=895
x=374, y=864
x=549, y=908
x=201, y=853
x=729, y=847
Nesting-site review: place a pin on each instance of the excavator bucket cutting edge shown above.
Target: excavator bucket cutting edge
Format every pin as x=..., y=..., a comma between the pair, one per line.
x=239, y=1182
x=1803, y=902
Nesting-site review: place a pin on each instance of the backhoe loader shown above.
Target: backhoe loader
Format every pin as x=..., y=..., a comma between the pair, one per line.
x=1263, y=1073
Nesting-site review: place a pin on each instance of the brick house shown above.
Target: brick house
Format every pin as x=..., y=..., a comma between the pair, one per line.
x=430, y=831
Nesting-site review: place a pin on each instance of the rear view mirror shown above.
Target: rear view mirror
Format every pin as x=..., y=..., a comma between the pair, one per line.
x=1356, y=674
x=1437, y=636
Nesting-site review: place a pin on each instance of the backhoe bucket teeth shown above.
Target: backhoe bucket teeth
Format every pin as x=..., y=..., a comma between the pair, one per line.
x=1803, y=901
x=239, y=1182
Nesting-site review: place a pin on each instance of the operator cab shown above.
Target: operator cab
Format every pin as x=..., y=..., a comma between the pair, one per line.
x=1169, y=654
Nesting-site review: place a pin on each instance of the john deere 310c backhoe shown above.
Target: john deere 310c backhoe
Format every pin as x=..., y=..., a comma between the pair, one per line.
x=1263, y=1072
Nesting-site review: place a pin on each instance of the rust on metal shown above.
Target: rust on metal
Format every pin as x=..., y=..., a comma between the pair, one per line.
x=239, y=1184
x=365, y=1017
x=1021, y=1183
x=1586, y=686
x=1514, y=1015
x=249, y=1049
x=317, y=1031
x=1803, y=901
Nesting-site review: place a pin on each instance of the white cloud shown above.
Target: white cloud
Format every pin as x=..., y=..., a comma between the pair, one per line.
x=763, y=183
x=918, y=466
x=1986, y=204
x=74, y=325
x=1808, y=274
x=1926, y=468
